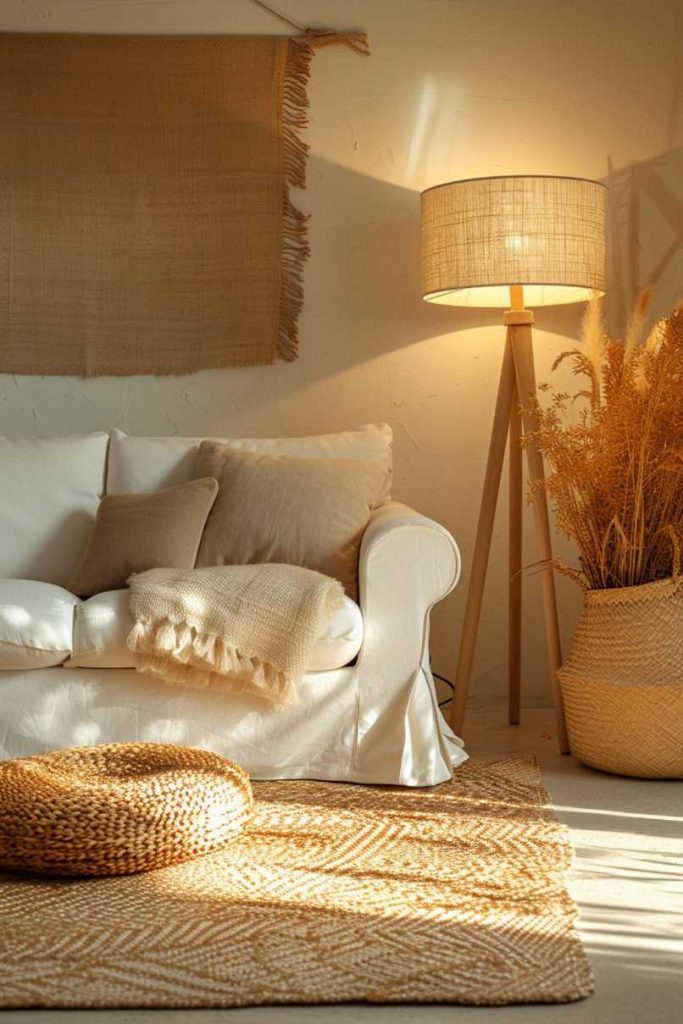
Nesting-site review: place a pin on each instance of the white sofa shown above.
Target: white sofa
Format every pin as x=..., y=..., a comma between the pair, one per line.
x=368, y=710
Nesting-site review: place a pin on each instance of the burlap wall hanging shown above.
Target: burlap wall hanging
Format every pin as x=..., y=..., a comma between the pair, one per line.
x=145, y=218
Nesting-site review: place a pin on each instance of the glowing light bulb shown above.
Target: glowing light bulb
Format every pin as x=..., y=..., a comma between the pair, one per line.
x=515, y=242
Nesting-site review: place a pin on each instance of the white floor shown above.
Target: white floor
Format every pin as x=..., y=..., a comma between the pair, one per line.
x=627, y=880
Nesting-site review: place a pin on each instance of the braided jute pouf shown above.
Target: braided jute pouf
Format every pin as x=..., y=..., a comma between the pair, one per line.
x=119, y=808
x=623, y=681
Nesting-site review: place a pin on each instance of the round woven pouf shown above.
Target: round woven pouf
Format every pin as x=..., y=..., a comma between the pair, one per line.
x=118, y=809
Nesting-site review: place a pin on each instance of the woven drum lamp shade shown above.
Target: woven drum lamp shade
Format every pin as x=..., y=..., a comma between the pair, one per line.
x=482, y=235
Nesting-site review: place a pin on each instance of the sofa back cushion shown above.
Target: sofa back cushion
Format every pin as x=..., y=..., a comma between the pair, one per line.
x=50, y=491
x=152, y=463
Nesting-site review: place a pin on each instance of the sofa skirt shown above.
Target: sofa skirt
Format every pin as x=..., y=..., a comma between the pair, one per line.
x=333, y=733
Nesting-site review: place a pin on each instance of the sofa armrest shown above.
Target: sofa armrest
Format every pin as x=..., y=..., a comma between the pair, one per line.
x=399, y=547
x=407, y=564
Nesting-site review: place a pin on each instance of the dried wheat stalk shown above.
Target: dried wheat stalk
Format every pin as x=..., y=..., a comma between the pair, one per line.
x=614, y=451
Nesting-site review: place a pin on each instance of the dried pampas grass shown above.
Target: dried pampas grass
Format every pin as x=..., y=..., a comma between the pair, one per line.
x=614, y=451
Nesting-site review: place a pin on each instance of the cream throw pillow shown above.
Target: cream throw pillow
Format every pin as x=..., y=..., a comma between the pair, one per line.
x=278, y=508
x=136, y=532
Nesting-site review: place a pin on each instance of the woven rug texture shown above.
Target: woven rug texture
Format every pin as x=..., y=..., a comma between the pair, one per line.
x=336, y=893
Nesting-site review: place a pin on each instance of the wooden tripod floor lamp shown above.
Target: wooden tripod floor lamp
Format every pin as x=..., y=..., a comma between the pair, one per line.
x=498, y=242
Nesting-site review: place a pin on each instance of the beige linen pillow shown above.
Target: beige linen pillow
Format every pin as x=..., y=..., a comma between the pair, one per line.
x=136, y=532
x=278, y=508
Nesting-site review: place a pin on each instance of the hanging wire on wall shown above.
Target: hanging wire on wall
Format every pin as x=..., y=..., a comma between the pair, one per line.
x=357, y=41
x=283, y=17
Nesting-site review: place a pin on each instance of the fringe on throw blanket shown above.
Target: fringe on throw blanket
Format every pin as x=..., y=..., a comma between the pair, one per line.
x=246, y=629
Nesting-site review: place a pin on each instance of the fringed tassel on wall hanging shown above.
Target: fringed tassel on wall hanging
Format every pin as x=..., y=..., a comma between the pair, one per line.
x=295, y=247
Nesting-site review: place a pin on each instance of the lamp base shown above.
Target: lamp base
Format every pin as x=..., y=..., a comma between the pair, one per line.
x=515, y=412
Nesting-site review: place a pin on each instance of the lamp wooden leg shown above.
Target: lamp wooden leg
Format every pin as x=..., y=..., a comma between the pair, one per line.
x=482, y=544
x=515, y=563
x=520, y=334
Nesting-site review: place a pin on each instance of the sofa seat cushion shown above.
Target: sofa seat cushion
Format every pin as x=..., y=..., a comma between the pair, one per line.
x=36, y=624
x=103, y=622
x=340, y=640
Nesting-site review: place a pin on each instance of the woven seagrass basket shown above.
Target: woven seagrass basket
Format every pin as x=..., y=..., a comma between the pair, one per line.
x=622, y=682
x=118, y=808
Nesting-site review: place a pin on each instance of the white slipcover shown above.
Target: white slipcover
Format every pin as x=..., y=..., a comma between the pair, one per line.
x=376, y=721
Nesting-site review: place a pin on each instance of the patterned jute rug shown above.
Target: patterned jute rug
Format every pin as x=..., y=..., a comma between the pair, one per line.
x=337, y=893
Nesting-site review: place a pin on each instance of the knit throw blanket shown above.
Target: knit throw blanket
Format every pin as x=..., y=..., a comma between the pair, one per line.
x=242, y=628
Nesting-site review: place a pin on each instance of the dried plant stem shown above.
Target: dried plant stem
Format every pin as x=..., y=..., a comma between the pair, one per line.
x=615, y=456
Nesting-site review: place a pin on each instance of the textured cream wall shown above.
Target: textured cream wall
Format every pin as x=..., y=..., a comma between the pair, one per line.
x=454, y=88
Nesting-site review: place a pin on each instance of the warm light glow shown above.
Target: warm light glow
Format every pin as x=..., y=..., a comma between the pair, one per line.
x=482, y=235
x=499, y=295
x=516, y=242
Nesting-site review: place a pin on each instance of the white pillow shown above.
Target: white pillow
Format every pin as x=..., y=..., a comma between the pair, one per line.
x=153, y=463
x=50, y=491
x=101, y=628
x=36, y=624
x=103, y=622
